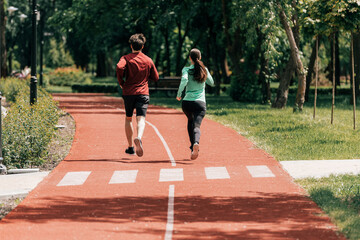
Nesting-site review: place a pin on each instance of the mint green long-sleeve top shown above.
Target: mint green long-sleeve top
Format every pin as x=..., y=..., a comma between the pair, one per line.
x=195, y=91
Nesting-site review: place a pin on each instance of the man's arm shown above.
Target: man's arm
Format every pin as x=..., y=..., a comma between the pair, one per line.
x=154, y=75
x=120, y=70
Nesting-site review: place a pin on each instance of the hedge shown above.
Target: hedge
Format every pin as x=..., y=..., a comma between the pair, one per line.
x=27, y=130
x=321, y=91
x=96, y=88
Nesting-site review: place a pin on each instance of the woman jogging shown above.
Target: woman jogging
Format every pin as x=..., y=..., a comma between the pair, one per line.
x=194, y=103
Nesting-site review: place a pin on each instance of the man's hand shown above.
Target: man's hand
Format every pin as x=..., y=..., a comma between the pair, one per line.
x=178, y=98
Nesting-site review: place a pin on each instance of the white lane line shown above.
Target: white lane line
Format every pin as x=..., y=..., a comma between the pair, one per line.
x=74, y=179
x=173, y=163
x=216, y=173
x=171, y=175
x=170, y=214
x=260, y=171
x=124, y=176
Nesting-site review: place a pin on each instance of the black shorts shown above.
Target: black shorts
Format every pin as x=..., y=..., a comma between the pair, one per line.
x=138, y=102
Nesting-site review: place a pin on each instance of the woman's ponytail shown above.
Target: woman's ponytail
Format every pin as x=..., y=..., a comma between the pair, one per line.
x=200, y=73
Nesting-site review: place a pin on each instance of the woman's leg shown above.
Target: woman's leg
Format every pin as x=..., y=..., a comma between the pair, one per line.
x=199, y=115
x=187, y=109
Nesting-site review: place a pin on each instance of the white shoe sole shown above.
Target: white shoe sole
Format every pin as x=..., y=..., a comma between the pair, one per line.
x=195, y=152
x=139, y=149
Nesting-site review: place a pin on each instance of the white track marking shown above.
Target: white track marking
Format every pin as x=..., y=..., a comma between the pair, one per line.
x=74, y=178
x=171, y=175
x=260, y=171
x=170, y=214
x=173, y=163
x=124, y=176
x=216, y=173
x=172, y=160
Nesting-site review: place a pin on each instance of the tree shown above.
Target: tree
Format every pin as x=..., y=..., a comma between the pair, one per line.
x=3, y=56
x=295, y=54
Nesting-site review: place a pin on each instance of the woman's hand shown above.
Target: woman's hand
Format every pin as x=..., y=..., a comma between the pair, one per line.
x=178, y=98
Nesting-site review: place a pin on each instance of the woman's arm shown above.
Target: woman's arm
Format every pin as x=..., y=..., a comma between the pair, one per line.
x=209, y=79
x=183, y=83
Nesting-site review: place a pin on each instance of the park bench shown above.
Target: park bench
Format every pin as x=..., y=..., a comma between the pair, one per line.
x=169, y=85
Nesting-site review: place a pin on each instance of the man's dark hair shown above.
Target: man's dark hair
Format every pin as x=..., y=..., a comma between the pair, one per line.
x=137, y=41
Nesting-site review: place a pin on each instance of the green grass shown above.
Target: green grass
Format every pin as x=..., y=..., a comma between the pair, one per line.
x=58, y=89
x=284, y=134
x=339, y=198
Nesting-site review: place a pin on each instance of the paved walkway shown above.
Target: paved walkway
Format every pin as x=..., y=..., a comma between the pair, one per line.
x=232, y=191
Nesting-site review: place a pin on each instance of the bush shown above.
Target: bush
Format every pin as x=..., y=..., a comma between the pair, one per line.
x=27, y=130
x=245, y=90
x=10, y=87
x=96, y=88
x=67, y=77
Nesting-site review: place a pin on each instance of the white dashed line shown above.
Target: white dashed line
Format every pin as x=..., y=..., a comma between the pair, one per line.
x=216, y=173
x=74, y=178
x=170, y=214
x=124, y=176
x=260, y=171
x=171, y=175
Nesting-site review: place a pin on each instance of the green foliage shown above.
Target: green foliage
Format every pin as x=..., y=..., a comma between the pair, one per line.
x=339, y=197
x=328, y=16
x=27, y=130
x=67, y=77
x=245, y=90
x=10, y=87
x=57, y=56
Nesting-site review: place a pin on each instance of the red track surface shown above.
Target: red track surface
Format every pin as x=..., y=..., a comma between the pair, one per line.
x=240, y=207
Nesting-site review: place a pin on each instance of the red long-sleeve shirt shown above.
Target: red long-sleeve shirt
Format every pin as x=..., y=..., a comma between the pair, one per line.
x=133, y=73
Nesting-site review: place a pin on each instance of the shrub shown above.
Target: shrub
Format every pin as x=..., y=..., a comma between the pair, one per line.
x=27, y=130
x=10, y=87
x=68, y=77
x=96, y=88
x=245, y=90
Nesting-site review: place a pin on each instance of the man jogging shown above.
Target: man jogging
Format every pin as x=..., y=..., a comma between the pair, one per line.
x=133, y=73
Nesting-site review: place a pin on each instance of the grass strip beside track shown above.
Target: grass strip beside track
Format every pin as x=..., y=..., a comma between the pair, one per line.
x=339, y=198
x=284, y=134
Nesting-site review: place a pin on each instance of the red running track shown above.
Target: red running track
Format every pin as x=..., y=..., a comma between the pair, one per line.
x=232, y=191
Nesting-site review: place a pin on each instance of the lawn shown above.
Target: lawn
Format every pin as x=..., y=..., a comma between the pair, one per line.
x=284, y=134
x=339, y=197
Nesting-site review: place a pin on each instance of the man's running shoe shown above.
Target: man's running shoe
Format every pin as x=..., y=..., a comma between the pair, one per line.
x=130, y=150
x=195, y=151
x=139, y=147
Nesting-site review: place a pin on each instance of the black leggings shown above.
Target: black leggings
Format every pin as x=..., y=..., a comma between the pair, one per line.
x=195, y=112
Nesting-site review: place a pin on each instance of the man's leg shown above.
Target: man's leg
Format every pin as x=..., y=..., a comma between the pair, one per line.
x=142, y=104
x=129, y=130
x=140, y=126
x=140, y=131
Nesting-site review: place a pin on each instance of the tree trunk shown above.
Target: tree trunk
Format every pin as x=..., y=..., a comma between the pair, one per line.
x=286, y=78
x=337, y=60
x=265, y=87
x=233, y=43
x=311, y=71
x=357, y=64
x=167, y=69
x=3, y=69
x=225, y=68
x=181, y=39
x=300, y=95
x=101, y=64
x=283, y=90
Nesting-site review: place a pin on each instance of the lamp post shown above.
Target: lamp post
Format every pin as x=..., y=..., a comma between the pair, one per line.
x=33, y=81
x=11, y=10
x=2, y=167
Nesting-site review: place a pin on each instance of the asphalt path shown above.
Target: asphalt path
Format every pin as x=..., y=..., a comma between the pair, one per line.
x=232, y=191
